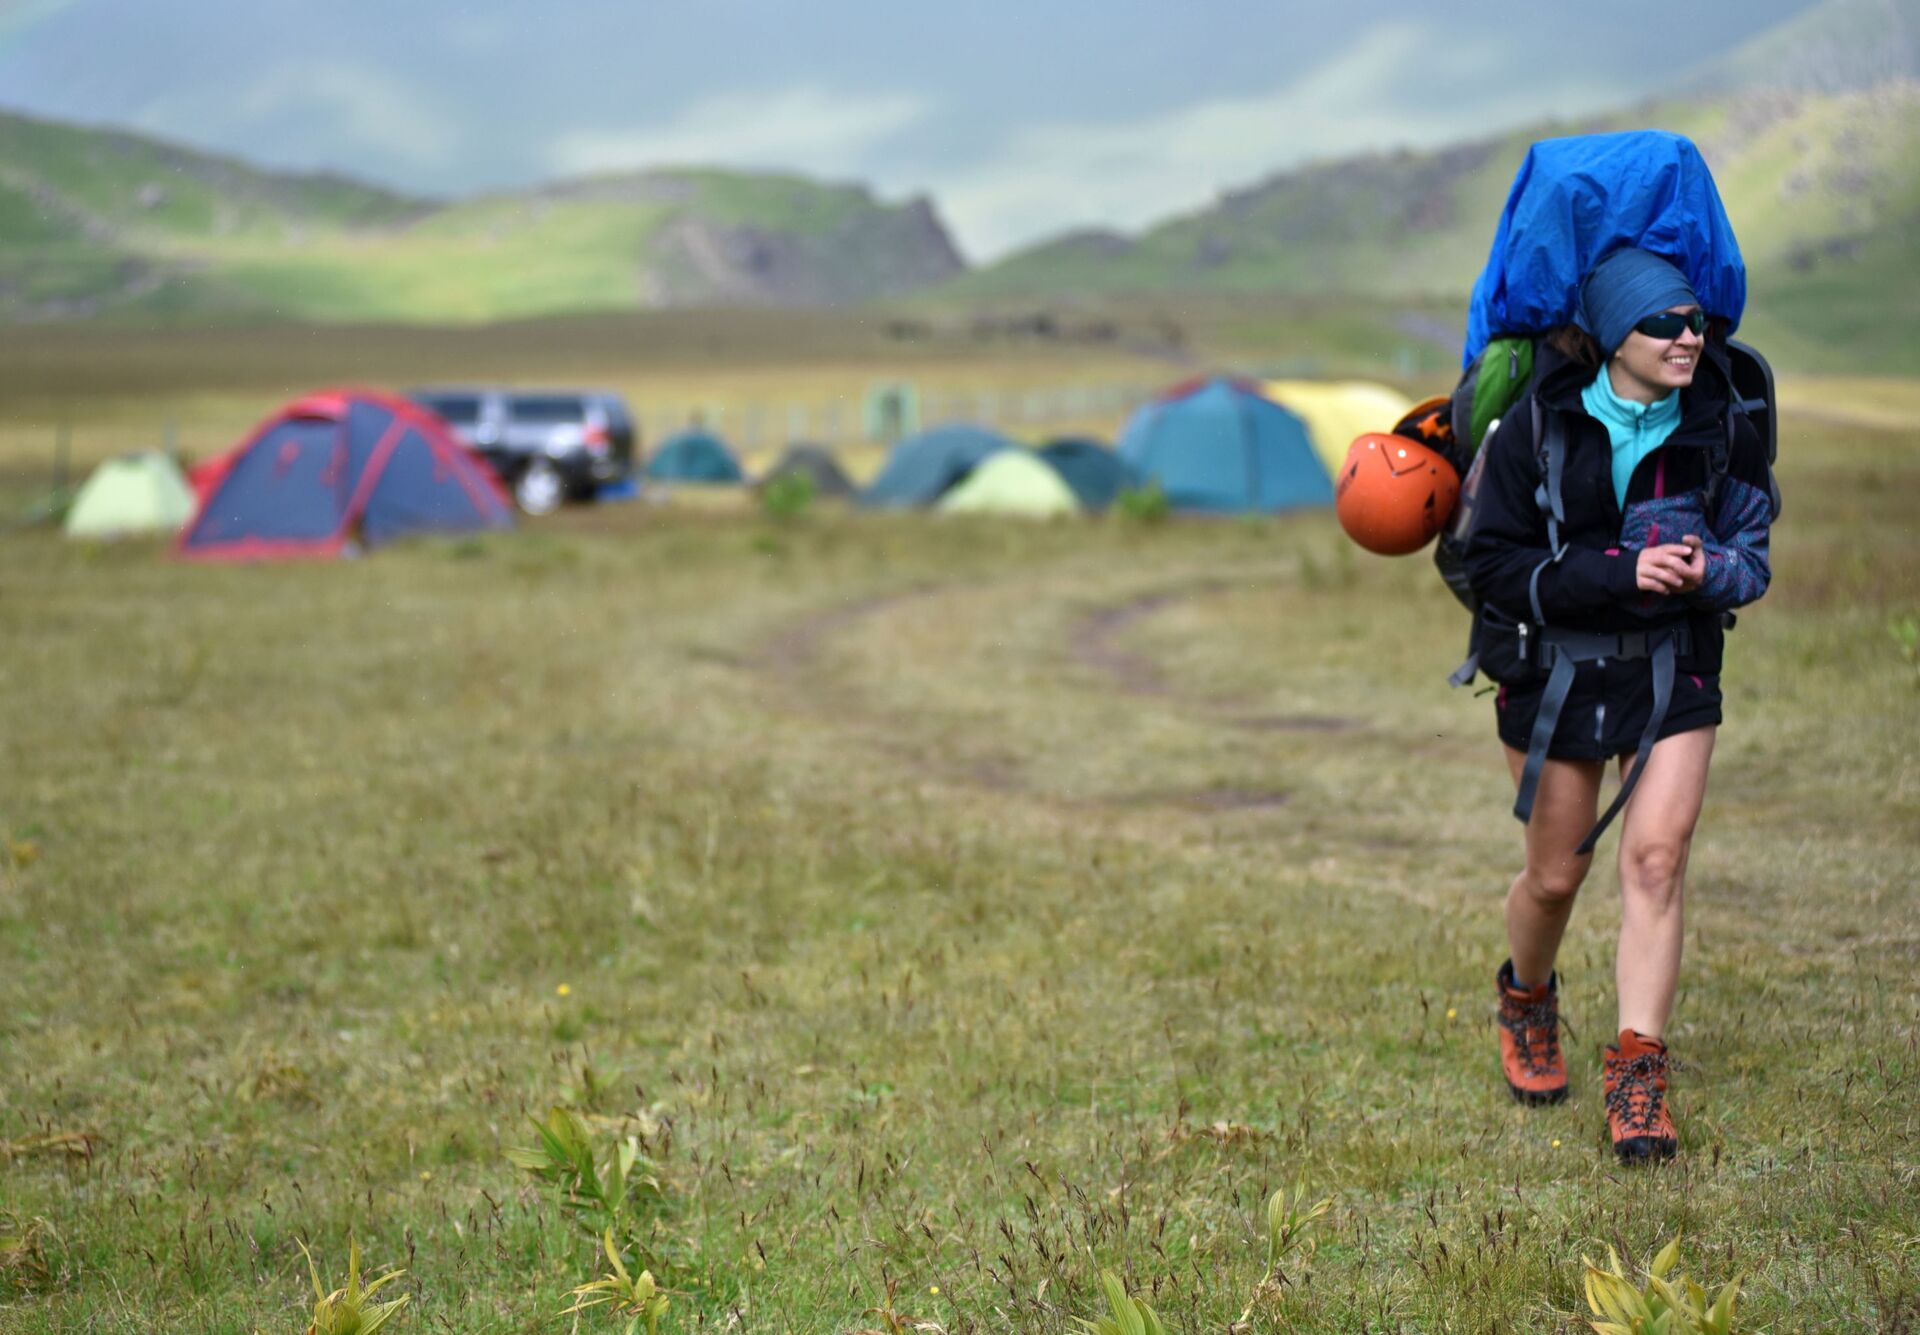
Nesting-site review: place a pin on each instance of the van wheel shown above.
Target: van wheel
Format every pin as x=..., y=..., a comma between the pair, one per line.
x=539, y=489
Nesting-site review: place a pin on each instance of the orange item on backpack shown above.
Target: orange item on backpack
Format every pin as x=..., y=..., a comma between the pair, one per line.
x=1393, y=494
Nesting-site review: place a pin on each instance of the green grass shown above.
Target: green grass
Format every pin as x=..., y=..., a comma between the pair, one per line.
x=974, y=906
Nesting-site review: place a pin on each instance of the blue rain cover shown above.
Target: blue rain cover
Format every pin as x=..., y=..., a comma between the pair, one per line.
x=1575, y=201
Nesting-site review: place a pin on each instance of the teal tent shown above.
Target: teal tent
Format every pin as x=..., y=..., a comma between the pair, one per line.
x=1221, y=445
x=920, y=469
x=694, y=456
x=1095, y=472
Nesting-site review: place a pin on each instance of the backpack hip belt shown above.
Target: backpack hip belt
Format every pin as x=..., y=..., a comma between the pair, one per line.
x=1561, y=651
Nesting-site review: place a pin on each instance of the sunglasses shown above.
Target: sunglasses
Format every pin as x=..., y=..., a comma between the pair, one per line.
x=1667, y=324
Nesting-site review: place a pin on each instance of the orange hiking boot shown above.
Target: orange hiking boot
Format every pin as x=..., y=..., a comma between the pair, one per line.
x=1636, y=1081
x=1530, y=1039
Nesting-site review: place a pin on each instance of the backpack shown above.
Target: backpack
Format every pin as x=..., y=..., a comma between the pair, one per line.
x=1497, y=382
x=1503, y=376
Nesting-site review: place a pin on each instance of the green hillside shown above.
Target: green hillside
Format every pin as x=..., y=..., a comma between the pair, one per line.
x=96, y=222
x=1824, y=191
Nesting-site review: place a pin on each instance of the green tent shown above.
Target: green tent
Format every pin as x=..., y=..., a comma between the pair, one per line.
x=1012, y=482
x=136, y=495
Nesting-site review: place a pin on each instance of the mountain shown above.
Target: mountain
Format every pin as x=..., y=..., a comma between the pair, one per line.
x=98, y=221
x=1837, y=46
x=1823, y=190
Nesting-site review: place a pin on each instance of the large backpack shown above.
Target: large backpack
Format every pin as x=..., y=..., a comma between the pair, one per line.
x=1502, y=377
x=1502, y=380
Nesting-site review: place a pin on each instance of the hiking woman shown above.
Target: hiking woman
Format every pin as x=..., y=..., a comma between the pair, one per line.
x=1603, y=617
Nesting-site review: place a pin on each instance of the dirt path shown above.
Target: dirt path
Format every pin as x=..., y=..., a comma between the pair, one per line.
x=1092, y=643
x=790, y=657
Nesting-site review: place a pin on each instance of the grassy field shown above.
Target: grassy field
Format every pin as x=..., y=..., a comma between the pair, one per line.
x=971, y=907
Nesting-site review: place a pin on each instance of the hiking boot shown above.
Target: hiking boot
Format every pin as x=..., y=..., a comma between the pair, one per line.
x=1636, y=1082
x=1530, y=1039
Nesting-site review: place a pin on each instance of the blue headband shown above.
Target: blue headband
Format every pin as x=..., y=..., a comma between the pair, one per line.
x=1624, y=289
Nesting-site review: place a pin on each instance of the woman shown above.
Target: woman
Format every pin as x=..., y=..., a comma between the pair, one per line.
x=1604, y=624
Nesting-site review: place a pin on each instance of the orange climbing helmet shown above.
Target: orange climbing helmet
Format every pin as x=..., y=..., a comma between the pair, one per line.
x=1394, y=494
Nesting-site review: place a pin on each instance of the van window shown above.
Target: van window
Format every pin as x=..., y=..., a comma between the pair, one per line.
x=453, y=409
x=544, y=408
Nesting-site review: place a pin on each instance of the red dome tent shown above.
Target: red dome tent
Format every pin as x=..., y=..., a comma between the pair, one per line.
x=335, y=468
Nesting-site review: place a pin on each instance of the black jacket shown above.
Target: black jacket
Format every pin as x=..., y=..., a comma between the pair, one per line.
x=1593, y=587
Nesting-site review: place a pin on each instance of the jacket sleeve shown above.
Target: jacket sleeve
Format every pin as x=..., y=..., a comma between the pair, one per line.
x=1509, y=539
x=1739, y=565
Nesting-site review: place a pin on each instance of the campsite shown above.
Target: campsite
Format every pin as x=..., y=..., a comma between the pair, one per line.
x=957, y=833
x=897, y=876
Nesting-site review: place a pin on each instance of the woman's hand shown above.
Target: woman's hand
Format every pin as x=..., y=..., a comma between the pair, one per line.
x=1696, y=564
x=1671, y=567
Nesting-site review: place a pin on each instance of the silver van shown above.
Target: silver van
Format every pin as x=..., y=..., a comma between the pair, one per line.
x=548, y=446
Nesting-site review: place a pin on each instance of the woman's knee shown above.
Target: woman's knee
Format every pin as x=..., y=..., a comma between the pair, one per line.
x=1651, y=871
x=1555, y=883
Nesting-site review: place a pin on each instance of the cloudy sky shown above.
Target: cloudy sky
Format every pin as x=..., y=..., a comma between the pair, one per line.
x=1021, y=118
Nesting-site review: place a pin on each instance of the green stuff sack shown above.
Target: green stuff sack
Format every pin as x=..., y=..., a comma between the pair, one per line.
x=1493, y=384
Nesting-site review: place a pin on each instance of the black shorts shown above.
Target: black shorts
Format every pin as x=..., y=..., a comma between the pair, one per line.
x=1607, y=709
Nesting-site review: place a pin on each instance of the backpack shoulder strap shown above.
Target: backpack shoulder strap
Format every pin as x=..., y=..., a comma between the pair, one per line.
x=1751, y=395
x=1550, y=447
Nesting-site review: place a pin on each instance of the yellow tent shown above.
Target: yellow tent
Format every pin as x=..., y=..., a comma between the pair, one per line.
x=1336, y=411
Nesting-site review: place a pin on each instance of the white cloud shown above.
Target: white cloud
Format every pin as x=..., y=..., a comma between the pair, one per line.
x=315, y=112
x=17, y=16
x=805, y=129
x=1398, y=85
x=362, y=104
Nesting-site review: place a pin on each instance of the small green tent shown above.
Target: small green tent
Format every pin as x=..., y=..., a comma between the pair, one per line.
x=1012, y=482
x=135, y=495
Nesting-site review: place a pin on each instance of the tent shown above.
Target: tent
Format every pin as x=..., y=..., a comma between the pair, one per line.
x=1222, y=445
x=1336, y=411
x=1012, y=482
x=817, y=464
x=334, y=468
x=921, y=468
x=136, y=495
x=694, y=456
x=1093, y=471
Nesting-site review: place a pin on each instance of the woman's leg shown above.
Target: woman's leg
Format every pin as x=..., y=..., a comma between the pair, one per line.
x=1541, y=898
x=1656, y=836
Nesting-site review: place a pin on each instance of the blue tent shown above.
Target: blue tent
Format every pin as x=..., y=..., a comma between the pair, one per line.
x=922, y=467
x=1095, y=472
x=1222, y=445
x=1575, y=201
x=694, y=456
x=337, y=469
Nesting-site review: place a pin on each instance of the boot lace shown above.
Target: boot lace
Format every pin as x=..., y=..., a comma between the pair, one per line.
x=1638, y=1090
x=1533, y=1021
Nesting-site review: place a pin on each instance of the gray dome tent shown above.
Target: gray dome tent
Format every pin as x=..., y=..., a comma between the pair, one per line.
x=817, y=464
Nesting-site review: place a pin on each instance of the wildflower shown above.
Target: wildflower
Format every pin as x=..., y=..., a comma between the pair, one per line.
x=563, y=991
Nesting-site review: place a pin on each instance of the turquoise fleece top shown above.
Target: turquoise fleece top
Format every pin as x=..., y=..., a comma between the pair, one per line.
x=1636, y=429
